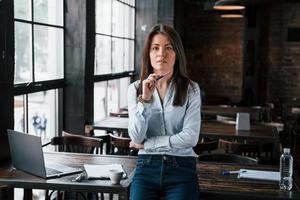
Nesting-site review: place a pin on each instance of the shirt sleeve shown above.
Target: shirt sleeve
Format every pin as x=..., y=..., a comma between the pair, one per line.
x=138, y=116
x=189, y=135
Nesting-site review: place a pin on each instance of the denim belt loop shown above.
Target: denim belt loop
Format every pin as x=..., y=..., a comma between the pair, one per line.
x=174, y=161
x=149, y=160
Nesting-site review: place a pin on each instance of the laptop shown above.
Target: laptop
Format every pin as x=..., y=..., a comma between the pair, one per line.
x=27, y=155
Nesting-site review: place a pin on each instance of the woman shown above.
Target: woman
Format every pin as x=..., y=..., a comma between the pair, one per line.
x=164, y=120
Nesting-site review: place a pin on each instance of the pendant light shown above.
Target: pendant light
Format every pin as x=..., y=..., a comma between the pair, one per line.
x=229, y=5
x=231, y=14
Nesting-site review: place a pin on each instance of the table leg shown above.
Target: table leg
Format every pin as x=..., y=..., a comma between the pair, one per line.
x=6, y=193
x=124, y=196
x=276, y=149
x=27, y=194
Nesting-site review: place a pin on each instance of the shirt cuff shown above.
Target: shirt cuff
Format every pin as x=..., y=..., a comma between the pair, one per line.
x=157, y=143
x=143, y=108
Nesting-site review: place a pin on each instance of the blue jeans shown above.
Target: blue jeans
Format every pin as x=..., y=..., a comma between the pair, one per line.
x=171, y=177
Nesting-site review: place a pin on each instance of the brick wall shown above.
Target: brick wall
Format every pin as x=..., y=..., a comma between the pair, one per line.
x=284, y=69
x=214, y=49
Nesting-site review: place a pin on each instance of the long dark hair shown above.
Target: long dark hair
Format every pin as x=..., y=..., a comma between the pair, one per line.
x=179, y=78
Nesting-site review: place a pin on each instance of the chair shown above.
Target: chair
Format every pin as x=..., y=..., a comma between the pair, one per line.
x=251, y=150
x=226, y=119
x=119, y=114
x=77, y=144
x=122, y=145
x=227, y=158
x=98, y=150
x=205, y=146
x=261, y=151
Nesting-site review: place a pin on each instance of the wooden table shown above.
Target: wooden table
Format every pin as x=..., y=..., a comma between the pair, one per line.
x=216, y=129
x=255, y=112
x=257, y=132
x=208, y=129
x=112, y=124
x=213, y=185
x=19, y=179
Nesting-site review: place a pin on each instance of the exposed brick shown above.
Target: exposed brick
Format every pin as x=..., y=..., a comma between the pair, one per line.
x=214, y=48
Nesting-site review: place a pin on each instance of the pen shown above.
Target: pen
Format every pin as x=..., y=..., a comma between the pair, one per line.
x=161, y=76
x=78, y=178
x=227, y=172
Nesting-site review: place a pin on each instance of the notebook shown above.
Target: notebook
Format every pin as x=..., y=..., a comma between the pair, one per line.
x=102, y=171
x=259, y=175
x=27, y=155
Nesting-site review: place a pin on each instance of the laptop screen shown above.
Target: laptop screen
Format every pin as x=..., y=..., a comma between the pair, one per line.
x=27, y=155
x=26, y=152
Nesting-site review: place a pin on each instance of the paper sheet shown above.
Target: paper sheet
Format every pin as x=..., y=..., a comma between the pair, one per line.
x=101, y=171
x=260, y=175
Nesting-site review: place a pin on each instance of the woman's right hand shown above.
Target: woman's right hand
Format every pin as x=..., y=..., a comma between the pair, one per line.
x=149, y=85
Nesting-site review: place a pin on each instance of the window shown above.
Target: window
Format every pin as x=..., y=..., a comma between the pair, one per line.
x=38, y=40
x=114, y=52
x=109, y=97
x=39, y=65
x=114, y=55
x=37, y=113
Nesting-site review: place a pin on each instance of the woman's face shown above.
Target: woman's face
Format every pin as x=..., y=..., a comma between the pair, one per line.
x=162, y=54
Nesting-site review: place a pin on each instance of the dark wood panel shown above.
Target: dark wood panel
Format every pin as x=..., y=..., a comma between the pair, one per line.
x=74, y=94
x=6, y=75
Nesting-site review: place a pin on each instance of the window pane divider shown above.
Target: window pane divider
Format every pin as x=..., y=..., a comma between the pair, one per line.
x=126, y=4
x=38, y=23
x=106, y=77
x=119, y=37
x=31, y=87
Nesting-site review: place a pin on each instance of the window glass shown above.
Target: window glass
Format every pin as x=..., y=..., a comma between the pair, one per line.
x=42, y=113
x=132, y=2
x=103, y=55
x=128, y=22
x=19, y=113
x=22, y=9
x=48, y=11
x=118, y=19
x=128, y=55
x=48, y=53
x=23, y=53
x=114, y=26
x=113, y=93
x=117, y=55
x=124, y=83
x=103, y=16
x=100, y=101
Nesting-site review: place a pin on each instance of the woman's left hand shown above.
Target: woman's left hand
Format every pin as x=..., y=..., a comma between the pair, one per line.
x=136, y=146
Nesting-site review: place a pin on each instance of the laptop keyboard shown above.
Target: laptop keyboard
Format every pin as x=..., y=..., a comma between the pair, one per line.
x=50, y=171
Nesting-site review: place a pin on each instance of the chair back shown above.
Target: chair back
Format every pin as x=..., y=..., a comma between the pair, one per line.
x=120, y=145
x=251, y=150
x=206, y=146
x=78, y=144
x=254, y=150
x=119, y=114
x=227, y=158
